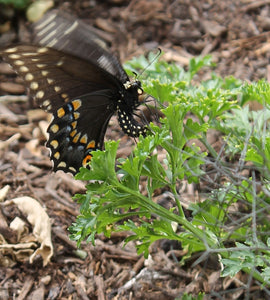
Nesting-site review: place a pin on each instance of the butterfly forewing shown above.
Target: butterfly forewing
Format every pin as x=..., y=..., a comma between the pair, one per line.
x=65, y=33
x=53, y=78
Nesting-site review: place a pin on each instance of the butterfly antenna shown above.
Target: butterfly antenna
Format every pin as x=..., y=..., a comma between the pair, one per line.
x=150, y=63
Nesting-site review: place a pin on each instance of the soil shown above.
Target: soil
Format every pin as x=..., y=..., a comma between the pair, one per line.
x=236, y=34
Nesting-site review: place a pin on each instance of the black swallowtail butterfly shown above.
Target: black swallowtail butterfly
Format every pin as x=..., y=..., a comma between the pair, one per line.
x=72, y=75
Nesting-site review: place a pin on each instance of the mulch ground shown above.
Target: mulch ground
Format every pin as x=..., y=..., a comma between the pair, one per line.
x=236, y=34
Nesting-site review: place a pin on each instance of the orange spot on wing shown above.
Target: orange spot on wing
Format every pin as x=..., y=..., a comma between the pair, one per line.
x=76, y=138
x=72, y=134
x=91, y=145
x=86, y=160
x=74, y=124
x=83, y=139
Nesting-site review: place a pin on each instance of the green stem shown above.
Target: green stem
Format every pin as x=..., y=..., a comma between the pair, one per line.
x=211, y=150
x=162, y=212
x=179, y=206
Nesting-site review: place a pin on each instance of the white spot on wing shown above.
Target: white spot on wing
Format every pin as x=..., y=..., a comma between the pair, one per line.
x=50, y=81
x=57, y=89
x=11, y=50
x=47, y=21
x=44, y=30
x=29, y=77
x=44, y=73
x=52, y=42
x=46, y=103
x=42, y=50
x=40, y=94
x=71, y=28
x=48, y=36
x=105, y=64
x=14, y=56
x=18, y=63
x=33, y=85
x=40, y=66
x=29, y=53
x=23, y=69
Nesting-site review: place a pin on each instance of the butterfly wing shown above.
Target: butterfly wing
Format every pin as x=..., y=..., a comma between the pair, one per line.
x=66, y=33
x=54, y=78
x=70, y=140
x=80, y=83
x=82, y=100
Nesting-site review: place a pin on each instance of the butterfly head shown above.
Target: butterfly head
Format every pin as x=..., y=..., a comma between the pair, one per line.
x=134, y=86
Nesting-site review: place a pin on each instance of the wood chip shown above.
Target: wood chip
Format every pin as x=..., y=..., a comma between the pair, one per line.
x=10, y=87
x=28, y=283
x=213, y=28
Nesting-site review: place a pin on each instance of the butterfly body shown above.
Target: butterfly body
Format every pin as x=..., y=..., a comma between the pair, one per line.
x=81, y=85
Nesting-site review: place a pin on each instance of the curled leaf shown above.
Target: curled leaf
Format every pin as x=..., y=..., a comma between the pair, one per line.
x=38, y=218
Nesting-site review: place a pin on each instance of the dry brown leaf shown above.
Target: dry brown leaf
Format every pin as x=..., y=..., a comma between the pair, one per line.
x=19, y=226
x=40, y=221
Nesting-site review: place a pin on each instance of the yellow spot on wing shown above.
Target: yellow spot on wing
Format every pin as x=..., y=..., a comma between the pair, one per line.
x=76, y=104
x=61, y=112
x=76, y=115
x=54, y=144
x=54, y=128
x=56, y=155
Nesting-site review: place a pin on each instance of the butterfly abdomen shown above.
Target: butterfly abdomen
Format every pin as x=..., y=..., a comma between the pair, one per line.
x=126, y=107
x=129, y=125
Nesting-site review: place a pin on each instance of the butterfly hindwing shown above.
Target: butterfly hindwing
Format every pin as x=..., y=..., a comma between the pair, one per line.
x=70, y=141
